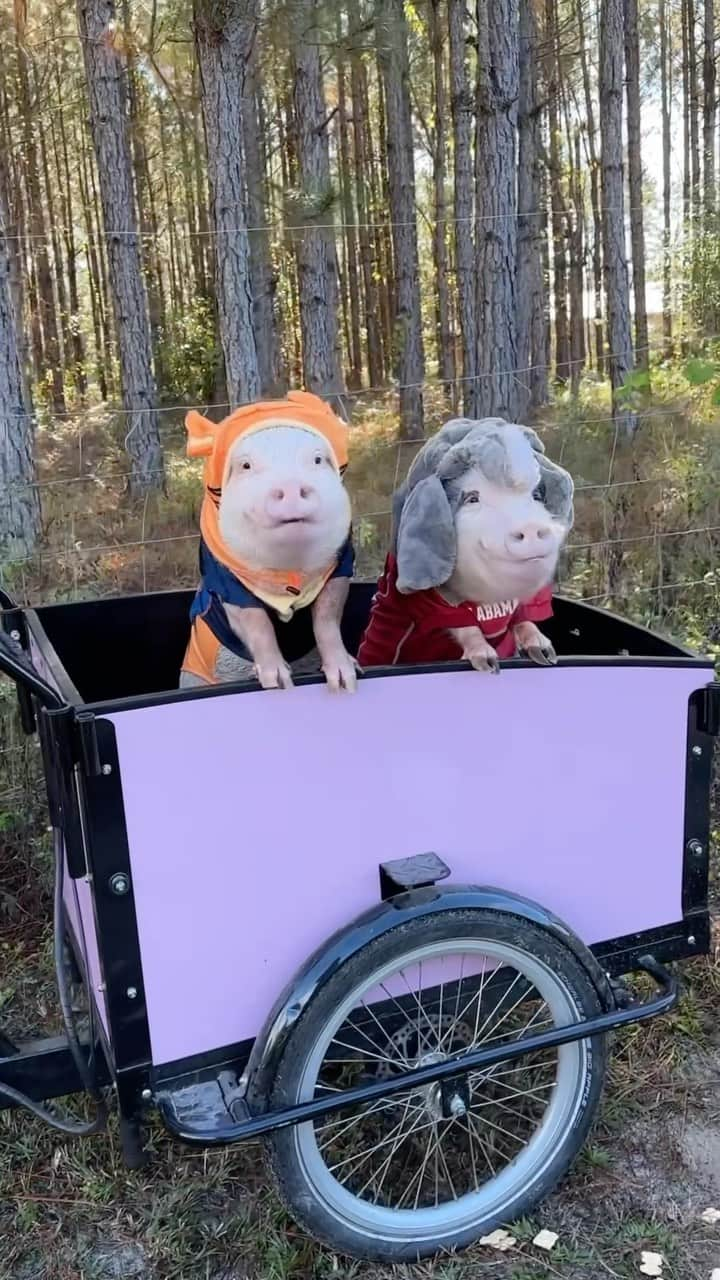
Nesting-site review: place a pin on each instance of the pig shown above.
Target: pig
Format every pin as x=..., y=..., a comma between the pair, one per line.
x=477, y=530
x=275, y=541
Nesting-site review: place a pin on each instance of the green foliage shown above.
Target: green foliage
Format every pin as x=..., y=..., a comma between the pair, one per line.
x=189, y=353
x=698, y=371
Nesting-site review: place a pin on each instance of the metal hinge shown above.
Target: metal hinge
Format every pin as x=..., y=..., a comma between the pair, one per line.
x=87, y=739
x=708, y=720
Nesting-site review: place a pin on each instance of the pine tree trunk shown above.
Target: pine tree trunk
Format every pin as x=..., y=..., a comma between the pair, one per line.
x=15, y=243
x=106, y=94
x=635, y=182
x=443, y=323
x=557, y=201
x=261, y=268
x=350, y=230
x=20, y=507
x=47, y=320
x=391, y=38
x=314, y=236
x=686, y=112
x=694, y=109
x=665, y=70
x=532, y=357
x=385, y=241
x=206, y=255
x=575, y=228
x=577, y=259
x=462, y=104
x=709, y=109
x=224, y=37
x=58, y=272
x=599, y=343
x=174, y=266
x=620, y=359
x=102, y=372
x=366, y=235
x=65, y=189
x=496, y=204
x=143, y=195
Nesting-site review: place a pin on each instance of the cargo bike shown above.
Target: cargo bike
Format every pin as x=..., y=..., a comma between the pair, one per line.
x=387, y=932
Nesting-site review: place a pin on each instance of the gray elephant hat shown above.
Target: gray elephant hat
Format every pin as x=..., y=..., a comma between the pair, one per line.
x=424, y=507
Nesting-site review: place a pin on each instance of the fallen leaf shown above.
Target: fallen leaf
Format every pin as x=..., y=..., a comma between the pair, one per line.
x=651, y=1264
x=711, y=1216
x=546, y=1239
x=500, y=1240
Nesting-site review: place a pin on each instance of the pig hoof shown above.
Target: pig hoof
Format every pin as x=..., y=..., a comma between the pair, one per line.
x=486, y=662
x=274, y=677
x=339, y=678
x=542, y=657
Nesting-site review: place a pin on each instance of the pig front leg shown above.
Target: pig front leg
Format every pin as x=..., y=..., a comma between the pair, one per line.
x=339, y=668
x=257, y=633
x=475, y=649
x=530, y=640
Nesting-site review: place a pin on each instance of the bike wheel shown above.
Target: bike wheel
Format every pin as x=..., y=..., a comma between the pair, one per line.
x=437, y=1166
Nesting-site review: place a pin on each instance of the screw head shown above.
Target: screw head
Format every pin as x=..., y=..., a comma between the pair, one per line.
x=131, y=993
x=15, y=635
x=146, y=1095
x=107, y=769
x=119, y=883
x=457, y=1106
x=691, y=940
x=695, y=847
x=697, y=751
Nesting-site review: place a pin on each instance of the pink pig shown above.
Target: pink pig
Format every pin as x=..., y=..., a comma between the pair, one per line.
x=276, y=540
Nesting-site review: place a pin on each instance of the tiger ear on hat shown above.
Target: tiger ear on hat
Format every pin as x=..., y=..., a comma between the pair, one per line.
x=306, y=398
x=201, y=435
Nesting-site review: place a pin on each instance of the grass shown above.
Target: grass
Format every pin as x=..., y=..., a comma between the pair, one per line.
x=69, y=1210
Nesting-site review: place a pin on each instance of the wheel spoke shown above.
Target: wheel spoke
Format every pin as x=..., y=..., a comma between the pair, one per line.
x=481, y=1143
x=420, y=1009
x=384, y=1167
x=373, y=1110
x=363, y=1156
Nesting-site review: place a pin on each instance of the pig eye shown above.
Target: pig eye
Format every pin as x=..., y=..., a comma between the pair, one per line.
x=319, y=459
x=473, y=496
x=246, y=466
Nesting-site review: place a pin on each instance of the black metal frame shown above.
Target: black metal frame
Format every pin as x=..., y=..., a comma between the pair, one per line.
x=86, y=801
x=254, y=1126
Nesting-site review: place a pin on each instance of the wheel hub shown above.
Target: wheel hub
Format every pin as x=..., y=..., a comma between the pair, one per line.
x=443, y=1100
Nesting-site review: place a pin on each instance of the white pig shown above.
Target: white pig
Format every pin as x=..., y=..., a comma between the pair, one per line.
x=478, y=529
x=275, y=542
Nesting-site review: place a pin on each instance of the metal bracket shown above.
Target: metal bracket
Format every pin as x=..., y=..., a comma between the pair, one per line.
x=418, y=872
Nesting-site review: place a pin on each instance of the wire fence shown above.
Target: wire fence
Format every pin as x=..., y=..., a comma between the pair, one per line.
x=298, y=227
x=585, y=559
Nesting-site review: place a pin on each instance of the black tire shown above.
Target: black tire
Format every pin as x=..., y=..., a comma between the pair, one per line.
x=301, y=1194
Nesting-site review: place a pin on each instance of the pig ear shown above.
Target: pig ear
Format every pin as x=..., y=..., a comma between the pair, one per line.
x=426, y=540
x=201, y=435
x=534, y=439
x=559, y=491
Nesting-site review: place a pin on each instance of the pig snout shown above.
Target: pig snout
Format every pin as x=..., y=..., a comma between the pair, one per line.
x=532, y=540
x=291, y=501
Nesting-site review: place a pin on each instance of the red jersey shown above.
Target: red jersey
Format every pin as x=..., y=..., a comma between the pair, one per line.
x=415, y=628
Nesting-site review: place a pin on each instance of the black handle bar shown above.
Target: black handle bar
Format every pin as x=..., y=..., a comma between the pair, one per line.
x=15, y=663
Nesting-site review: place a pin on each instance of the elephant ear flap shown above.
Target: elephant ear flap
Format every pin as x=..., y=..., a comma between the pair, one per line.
x=426, y=540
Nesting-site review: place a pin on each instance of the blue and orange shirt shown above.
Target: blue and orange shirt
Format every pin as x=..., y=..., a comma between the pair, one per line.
x=219, y=586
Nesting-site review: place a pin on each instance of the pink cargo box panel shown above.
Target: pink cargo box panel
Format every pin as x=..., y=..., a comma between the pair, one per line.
x=256, y=821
